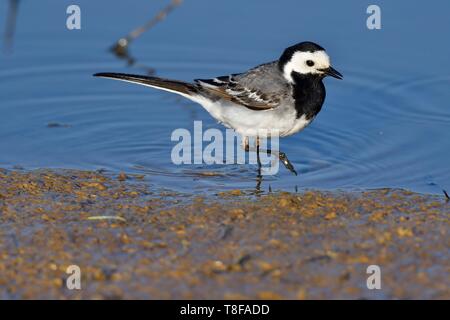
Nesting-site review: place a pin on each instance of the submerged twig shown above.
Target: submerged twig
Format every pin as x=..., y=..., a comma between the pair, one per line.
x=159, y=17
x=120, y=48
x=10, y=26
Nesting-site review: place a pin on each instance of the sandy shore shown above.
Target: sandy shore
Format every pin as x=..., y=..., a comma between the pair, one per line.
x=132, y=242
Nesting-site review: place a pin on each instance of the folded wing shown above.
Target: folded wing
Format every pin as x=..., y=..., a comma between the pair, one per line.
x=258, y=89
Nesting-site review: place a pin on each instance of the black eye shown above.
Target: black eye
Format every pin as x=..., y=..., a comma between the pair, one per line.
x=310, y=63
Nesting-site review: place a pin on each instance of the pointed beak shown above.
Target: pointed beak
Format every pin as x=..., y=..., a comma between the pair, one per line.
x=333, y=73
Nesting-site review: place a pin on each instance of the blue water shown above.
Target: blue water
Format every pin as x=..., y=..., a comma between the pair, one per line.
x=386, y=125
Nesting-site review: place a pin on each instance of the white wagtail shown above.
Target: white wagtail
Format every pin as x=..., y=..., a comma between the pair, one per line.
x=282, y=96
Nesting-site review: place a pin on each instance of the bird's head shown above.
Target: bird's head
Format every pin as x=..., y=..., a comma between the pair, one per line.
x=306, y=58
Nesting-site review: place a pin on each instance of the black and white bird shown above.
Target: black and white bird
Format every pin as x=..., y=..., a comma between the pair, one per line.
x=282, y=96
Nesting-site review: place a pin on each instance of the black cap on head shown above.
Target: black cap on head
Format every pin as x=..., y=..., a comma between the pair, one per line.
x=306, y=46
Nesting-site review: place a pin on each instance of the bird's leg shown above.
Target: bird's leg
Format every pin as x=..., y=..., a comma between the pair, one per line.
x=245, y=144
x=258, y=184
x=281, y=155
x=284, y=159
x=258, y=159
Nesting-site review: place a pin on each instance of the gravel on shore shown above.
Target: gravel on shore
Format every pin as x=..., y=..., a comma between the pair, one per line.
x=133, y=242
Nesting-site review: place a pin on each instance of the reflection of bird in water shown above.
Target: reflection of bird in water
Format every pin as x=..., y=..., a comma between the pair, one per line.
x=283, y=96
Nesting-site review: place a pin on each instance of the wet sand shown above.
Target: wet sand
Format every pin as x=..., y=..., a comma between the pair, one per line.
x=133, y=242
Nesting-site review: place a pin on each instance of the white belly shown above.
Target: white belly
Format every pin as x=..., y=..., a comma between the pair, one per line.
x=252, y=123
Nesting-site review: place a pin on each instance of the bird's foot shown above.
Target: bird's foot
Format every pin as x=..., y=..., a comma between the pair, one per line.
x=283, y=158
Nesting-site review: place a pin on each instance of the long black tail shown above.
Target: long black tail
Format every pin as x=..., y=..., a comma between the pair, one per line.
x=183, y=88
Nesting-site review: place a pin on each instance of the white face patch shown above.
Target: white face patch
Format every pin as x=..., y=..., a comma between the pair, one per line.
x=298, y=63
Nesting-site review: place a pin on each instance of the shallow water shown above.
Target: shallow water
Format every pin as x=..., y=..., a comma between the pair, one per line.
x=385, y=125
